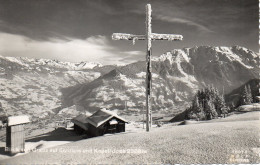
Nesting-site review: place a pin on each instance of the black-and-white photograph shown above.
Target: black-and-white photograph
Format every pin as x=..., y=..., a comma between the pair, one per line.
x=129, y=82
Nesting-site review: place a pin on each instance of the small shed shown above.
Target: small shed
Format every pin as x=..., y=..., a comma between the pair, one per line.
x=68, y=123
x=15, y=135
x=101, y=122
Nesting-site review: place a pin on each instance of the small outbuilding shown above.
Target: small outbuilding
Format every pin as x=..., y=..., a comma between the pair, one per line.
x=15, y=135
x=101, y=122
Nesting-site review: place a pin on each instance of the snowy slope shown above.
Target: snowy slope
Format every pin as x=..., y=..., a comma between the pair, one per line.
x=32, y=86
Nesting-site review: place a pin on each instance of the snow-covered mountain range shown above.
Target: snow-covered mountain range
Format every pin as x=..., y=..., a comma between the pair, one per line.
x=43, y=65
x=177, y=75
x=32, y=86
x=43, y=88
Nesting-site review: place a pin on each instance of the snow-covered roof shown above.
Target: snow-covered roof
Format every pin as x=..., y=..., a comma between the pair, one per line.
x=101, y=116
x=16, y=120
x=81, y=120
x=97, y=119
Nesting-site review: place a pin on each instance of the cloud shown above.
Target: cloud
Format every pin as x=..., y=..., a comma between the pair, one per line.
x=95, y=49
x=201, y=28
x=132, y=56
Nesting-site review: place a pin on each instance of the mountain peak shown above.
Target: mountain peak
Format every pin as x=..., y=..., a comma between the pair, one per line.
x=204, y=54
x=112, y=74
x=26, y=63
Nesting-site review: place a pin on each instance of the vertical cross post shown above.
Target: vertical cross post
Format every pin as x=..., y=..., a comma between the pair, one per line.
x=149, y=36
x=148, y=69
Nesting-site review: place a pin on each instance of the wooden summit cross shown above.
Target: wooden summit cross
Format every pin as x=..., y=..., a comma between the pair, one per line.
x=149, y=37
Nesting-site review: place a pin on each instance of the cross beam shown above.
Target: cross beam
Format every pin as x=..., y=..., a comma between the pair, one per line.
x=149, y=36
x=154, y=36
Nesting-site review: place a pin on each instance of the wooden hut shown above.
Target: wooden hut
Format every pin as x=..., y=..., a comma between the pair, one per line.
x=15, y=135
x=100, y=123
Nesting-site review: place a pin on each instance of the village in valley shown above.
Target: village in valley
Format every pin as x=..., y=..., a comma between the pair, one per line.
x=149, y=102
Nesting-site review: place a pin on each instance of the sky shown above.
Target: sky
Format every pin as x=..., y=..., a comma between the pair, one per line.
x=80, y=30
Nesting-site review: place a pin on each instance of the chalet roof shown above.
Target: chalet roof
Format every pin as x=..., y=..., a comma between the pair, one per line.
x=81, y=121
x=97, y=119
x=16, y=120
x=101, y=116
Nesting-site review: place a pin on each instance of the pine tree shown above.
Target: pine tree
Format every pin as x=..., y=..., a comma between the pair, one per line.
x=246, y=97
x=201, y=114
x=249, y=95
x=210, y=110
x=220, y=105
x=207, y=93
x=207, y=104
x=232, y=107
x=213, y=92
x=196, y=110
x=191, y=114
x=195, y=105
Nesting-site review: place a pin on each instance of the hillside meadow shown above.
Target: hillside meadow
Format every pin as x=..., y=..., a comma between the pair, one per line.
x=234, y=139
